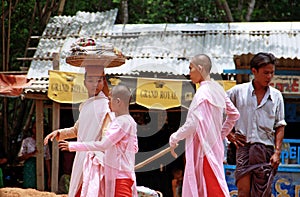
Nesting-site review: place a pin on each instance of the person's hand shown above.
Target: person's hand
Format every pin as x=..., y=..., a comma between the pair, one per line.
x=63, y=145
x=29, y=155
x=237, y=139
x=51, y=136
x=172, y=150
x=275, y=159
x=173, y=153
x=172, y=146
x=174, y=183
x=32, y=154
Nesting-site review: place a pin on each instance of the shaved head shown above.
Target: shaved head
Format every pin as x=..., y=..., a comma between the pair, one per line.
x=203, y=60
x=122, y=92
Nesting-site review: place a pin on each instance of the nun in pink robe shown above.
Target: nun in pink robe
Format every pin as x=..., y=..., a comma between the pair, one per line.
x=120, y=146
x=204, y=131
x=87, y=128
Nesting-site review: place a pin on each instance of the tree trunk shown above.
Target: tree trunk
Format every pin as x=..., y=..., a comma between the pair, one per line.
x=240, y=5
x=8, y=37
x=109, y=3
x=124, y=5
x=46, y=11
x=61, y=7
x=3, y=38
x=250, y=10
x=222, y=4
x=30, y=31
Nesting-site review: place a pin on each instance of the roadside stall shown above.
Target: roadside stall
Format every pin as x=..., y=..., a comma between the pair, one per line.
x=155, y=71
x=286, y=79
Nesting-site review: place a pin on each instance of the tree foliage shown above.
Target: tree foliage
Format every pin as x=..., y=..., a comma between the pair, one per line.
x=139, y=11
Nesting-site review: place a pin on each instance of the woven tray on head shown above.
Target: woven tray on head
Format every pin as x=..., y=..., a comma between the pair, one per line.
x=95, y=60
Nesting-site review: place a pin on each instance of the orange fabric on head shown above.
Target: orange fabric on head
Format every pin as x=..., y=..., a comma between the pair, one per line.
x=105, y=89
x=94, y=71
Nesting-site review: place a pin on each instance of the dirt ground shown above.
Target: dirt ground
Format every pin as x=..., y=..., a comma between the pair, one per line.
x=19, y=192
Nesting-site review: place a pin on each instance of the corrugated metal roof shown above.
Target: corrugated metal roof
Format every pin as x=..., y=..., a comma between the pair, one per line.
x=152, y=64
x=83, y=23
x=164, y=47
x=39, y=85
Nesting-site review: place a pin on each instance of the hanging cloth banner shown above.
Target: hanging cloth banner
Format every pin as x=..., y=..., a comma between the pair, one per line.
x=158, y=93
x=66, y=87
x=226, y=84
x=12, y=85
x=182, y=91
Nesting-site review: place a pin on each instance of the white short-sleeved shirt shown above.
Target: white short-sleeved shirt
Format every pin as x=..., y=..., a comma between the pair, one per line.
x=257, y=122
x=29, y=146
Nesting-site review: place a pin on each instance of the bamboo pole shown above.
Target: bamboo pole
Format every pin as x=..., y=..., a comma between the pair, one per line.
x=154, y=157
x=8, y=37
x=3, y=38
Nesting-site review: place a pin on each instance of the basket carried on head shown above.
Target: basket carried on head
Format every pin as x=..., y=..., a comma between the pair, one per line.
x=95, y=60
x=87, y=52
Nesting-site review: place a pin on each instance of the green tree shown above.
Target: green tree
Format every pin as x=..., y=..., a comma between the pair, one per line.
x=28, y=18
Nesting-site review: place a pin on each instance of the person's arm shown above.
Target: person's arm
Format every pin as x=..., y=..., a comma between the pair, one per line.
x=232, y=115
x=237, y=140
x=174, y=185
x=68, y=133
x=22, y=155
x=185, y=130
x=61, y=134
x=279, y=132
x=27, y=156
x=279, y=135
x=116, y=133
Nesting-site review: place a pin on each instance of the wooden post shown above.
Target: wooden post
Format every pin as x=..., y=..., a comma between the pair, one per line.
x=55, y=125
x=61, y=7
x=40, y=174
x=5, y=123
x=55, y=61
x=3, y=40
x=55, y=151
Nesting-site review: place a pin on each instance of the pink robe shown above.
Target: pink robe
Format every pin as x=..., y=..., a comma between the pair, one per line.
x=87, y=128
x=93, y=173
x=120, y=146
x=204, y=132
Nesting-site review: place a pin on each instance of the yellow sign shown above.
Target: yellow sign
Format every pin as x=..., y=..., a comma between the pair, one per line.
x=158, y=94
x=226, y=84
x=66, y=87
